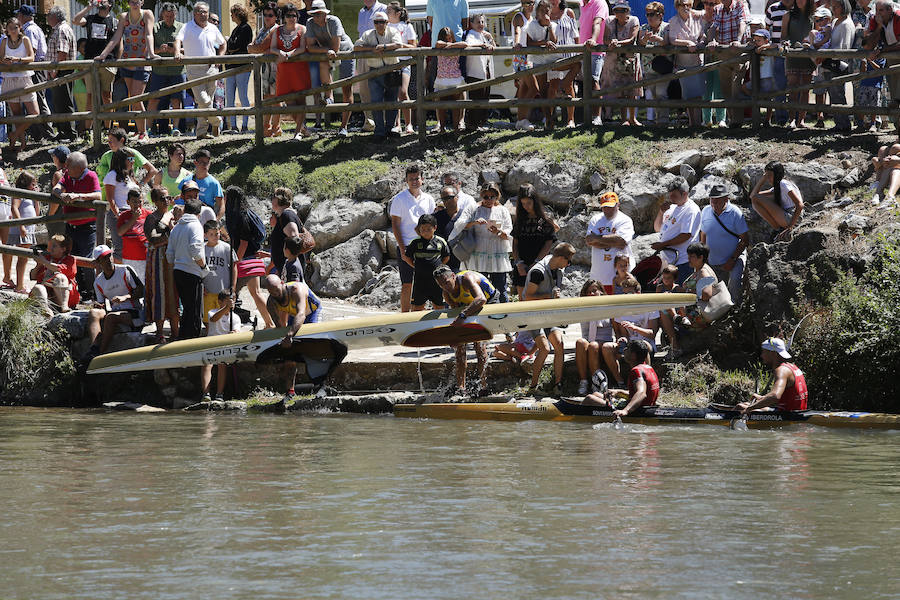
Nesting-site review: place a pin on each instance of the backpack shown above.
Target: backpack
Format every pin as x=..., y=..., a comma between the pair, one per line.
x=256, y=228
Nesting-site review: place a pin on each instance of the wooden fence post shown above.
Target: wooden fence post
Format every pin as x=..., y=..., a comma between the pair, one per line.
x=96, y=107
x=754, y=89
x=421, y=78
x=258, y=103
x=587, y=87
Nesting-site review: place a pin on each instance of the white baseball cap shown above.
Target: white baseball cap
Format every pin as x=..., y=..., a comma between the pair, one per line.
x=777, y=346
x=101, y=251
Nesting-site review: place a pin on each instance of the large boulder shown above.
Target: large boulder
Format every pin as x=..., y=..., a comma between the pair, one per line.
x=640, y=193
x=333, y=222
x=723, y=167
x=74, y=323
x=696, y=159
x=807, y=242
x=555, y=183
x=378, y=190
x=815, y=180
x=303, y=204
x=574, y=280
x=700, y=192
x=381, y=291
x=640, y=246
x=572, y=229
x=343, y=270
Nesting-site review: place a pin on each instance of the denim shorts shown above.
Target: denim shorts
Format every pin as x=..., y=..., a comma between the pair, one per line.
x=347, y=69
x=136, y=74
x=596, y=66
x=158, y=82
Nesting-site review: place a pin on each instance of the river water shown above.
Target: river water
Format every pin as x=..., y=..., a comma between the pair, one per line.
x=103, y=505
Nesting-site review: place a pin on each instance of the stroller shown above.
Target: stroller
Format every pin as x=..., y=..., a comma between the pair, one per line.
x=649, y=270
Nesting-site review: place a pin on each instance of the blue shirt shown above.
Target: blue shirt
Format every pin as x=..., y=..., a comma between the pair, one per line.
x=364, y=19
x=38, y=40
x=210, y=189
x=447, y=13
x=721, y=243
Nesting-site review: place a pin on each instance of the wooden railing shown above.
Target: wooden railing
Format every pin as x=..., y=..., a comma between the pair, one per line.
x=424, y=102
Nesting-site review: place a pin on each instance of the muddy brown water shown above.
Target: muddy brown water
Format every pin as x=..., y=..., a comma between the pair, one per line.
x=110, y=505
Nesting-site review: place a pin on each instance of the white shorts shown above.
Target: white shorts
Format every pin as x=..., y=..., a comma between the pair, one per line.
x=446, y=83
x=17, y=83
x=5, y=211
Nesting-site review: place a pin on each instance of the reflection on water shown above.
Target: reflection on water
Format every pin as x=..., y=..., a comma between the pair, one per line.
x=229, y=506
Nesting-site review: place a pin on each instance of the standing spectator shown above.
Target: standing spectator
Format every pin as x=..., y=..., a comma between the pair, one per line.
x=609, y=234
x=379, y=39
x=238, y=42
x=15, y=48
x=406, y=208
x=622, y=30
x=82, y=185
x=285, y=223
x=492, y=224
x=293, y=252
x=325, y=35
x=164, y=34
x=526, y=86
x=653, y=33
x=365, y=22
x=730, y=24
x=287, y=42
x=117, y=183
x=424, y=254
x=38, y=43
x=541, y=33
x=566, y=35
x=100, y=27
x=5, y=212
x=210, y=189
x=221, y=321
x=453, y=178
x=724, y=230
x=533, y=234
x=795, y=27
x=448, y=13
x=774, y=19
x=185, y=253
x=58, y=155
x=449, y=77
x=678, y=224
x=446, y=219
x=882, y=36
x=245, y=238
x=712, y=116
x=478, y=68
x=116, y=140
x=130, y=227
x=222, y=264
x=23, y=235
x=842, y=35
x=79, y=90
x=61, y=47
x=777, y=200
x=398, y=19
x=267, y=71
x=174, y=174
x=686, y=30
x=160, y=299
x=199, y=37
x=135, y=32
x=592, y=32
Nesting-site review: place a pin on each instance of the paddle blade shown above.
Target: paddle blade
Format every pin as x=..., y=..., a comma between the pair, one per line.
x=449, y=335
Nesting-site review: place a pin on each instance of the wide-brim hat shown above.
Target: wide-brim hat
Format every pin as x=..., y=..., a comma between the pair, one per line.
x=318, y=6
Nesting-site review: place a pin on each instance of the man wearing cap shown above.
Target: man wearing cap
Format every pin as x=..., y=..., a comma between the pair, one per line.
x=325, y=35
x=609, y=234
x=164, y=32
x=730, y=23
x=188, y=259
x=191, y=191
x=678, y=224
x=25, y=13
x=100, y=28
x=61, y=47
x=119, y=295
x=788, y=390
x=724, y=230
x=363, y=24
x=199, y=37
x=378, y=40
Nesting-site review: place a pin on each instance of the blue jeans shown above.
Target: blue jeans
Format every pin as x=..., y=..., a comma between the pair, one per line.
x=84, y=238
x=237, y=83
x=380, y=92
x=781, y=115
x=499, y=281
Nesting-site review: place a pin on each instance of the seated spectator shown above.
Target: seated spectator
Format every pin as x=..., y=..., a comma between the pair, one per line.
x=701, y=282
x=449, y=77
x=643, y=382
x=118, y=301
x=777, y=200
x=620, y=67
x=23, y=235
x=518, y=350
x=222, y=263
x=622, y=263
x=668, y=316
x=130, y=227
x=425, y=254
x=593, y=334
x=55, y=276
x=221, y=321
x=293, y=267
x=887, y=174
x=636, y=327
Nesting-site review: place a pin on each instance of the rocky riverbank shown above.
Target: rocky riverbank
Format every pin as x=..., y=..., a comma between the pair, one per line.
x=346, y=187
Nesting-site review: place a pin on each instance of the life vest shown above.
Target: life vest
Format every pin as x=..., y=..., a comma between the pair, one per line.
x=645, y=372
x=466, y=298
x=795, y=396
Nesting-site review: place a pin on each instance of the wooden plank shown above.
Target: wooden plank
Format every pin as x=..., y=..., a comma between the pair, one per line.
x=339, y=83
x=498, y=80
x=176, y=88
x=48, y=219
x=42, y=86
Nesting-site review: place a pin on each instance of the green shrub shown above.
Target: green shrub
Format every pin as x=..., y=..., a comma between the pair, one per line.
x=34, y=360
x=850, y=348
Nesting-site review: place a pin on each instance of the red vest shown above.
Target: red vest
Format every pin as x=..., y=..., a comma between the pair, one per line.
x=794, y=396
x=645, y=372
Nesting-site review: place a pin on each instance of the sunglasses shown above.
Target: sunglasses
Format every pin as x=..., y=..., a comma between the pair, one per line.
x=489, y=196
x=269, y=15
x=447, y=197
x=379, y=22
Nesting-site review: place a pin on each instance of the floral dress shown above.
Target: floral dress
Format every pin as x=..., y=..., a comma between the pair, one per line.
x=621, y=68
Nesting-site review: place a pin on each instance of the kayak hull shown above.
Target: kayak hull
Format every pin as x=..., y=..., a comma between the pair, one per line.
x=560, y=410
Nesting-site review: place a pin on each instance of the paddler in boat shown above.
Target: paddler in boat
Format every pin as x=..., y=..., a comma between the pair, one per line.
x=643, y=383
x=291, y=305
x=471, y=290
x=788, y=391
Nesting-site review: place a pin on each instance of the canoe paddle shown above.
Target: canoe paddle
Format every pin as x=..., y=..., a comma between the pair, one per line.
x=741, y=424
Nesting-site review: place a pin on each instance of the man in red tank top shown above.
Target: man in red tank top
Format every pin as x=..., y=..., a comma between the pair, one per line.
x=789, y=388
x=643, y=383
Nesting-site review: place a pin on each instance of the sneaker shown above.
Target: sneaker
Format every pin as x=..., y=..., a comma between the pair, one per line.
x=343, y=132
x=409, y=129
x=889, y=202
x=598, y=120
x=176, y=132
x=206, y=398
x=722, y=124
x=220, y=398
x=820, y=124
x=555, y=390
x=570, y=125
x=369, y=125
x=876, y=199
x=583, y=387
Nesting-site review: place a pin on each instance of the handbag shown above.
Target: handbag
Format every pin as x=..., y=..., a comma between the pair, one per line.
x=307, y=241
x=463, y=245
x=392, y=79
x=662, y=65
x=719, y=304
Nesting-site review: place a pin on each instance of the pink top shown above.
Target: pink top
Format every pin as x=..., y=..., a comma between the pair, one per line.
x=448, y=67
x=590, y=11
x=691, y=29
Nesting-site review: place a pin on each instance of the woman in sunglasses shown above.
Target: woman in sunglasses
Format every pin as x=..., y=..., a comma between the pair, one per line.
x=160, y=302
x=492, y=224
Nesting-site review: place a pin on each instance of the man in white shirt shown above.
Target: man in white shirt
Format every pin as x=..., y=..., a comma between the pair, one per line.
x=199, y=37
x=120, y=287
x=609, y=234
x=406, y=208
x=463, y=200
x=363, y=24
x=678, y=224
